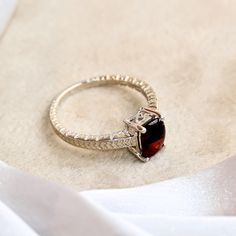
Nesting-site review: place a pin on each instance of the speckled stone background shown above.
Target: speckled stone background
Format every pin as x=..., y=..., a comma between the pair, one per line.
x=185, y=49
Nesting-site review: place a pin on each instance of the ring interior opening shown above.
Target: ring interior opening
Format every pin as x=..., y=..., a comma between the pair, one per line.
x=99, y=109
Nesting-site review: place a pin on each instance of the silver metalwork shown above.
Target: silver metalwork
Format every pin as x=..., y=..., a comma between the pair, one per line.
x=126, y=138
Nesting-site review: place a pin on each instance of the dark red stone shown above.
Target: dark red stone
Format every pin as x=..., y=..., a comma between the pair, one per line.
x=153, y=139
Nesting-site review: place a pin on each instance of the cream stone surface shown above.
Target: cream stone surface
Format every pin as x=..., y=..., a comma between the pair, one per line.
x=185, y=49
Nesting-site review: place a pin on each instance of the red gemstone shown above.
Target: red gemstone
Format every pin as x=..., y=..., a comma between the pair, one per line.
x=153, y=140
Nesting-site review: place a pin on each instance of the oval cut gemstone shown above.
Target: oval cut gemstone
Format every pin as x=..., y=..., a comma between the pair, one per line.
x=153, y=139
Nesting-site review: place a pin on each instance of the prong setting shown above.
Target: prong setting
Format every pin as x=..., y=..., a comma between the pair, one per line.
x=136, y=125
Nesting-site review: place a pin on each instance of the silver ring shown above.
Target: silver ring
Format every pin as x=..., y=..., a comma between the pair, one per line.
x=143, y=133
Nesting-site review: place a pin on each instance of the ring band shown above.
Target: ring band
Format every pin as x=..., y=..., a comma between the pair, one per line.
x=144, y=133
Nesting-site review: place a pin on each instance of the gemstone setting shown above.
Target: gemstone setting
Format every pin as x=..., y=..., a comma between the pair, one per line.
x=149, y=129
x=152, y=140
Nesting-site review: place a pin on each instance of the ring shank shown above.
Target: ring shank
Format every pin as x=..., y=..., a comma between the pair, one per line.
x=116, y=140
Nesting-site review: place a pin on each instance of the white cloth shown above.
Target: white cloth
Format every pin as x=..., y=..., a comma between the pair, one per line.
x=7, y=8
x=197, y=205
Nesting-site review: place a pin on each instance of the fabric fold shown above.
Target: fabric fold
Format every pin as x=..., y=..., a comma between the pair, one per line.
x=7, y=8
x=197, y=204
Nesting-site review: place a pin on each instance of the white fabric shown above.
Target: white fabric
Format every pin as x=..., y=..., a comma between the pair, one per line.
x=7, y=8
x=11, y=224
x=34, y=206
x=51, y=210
x=210, y=192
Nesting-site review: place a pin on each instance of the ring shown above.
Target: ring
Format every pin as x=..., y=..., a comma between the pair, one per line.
x=143, y=134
